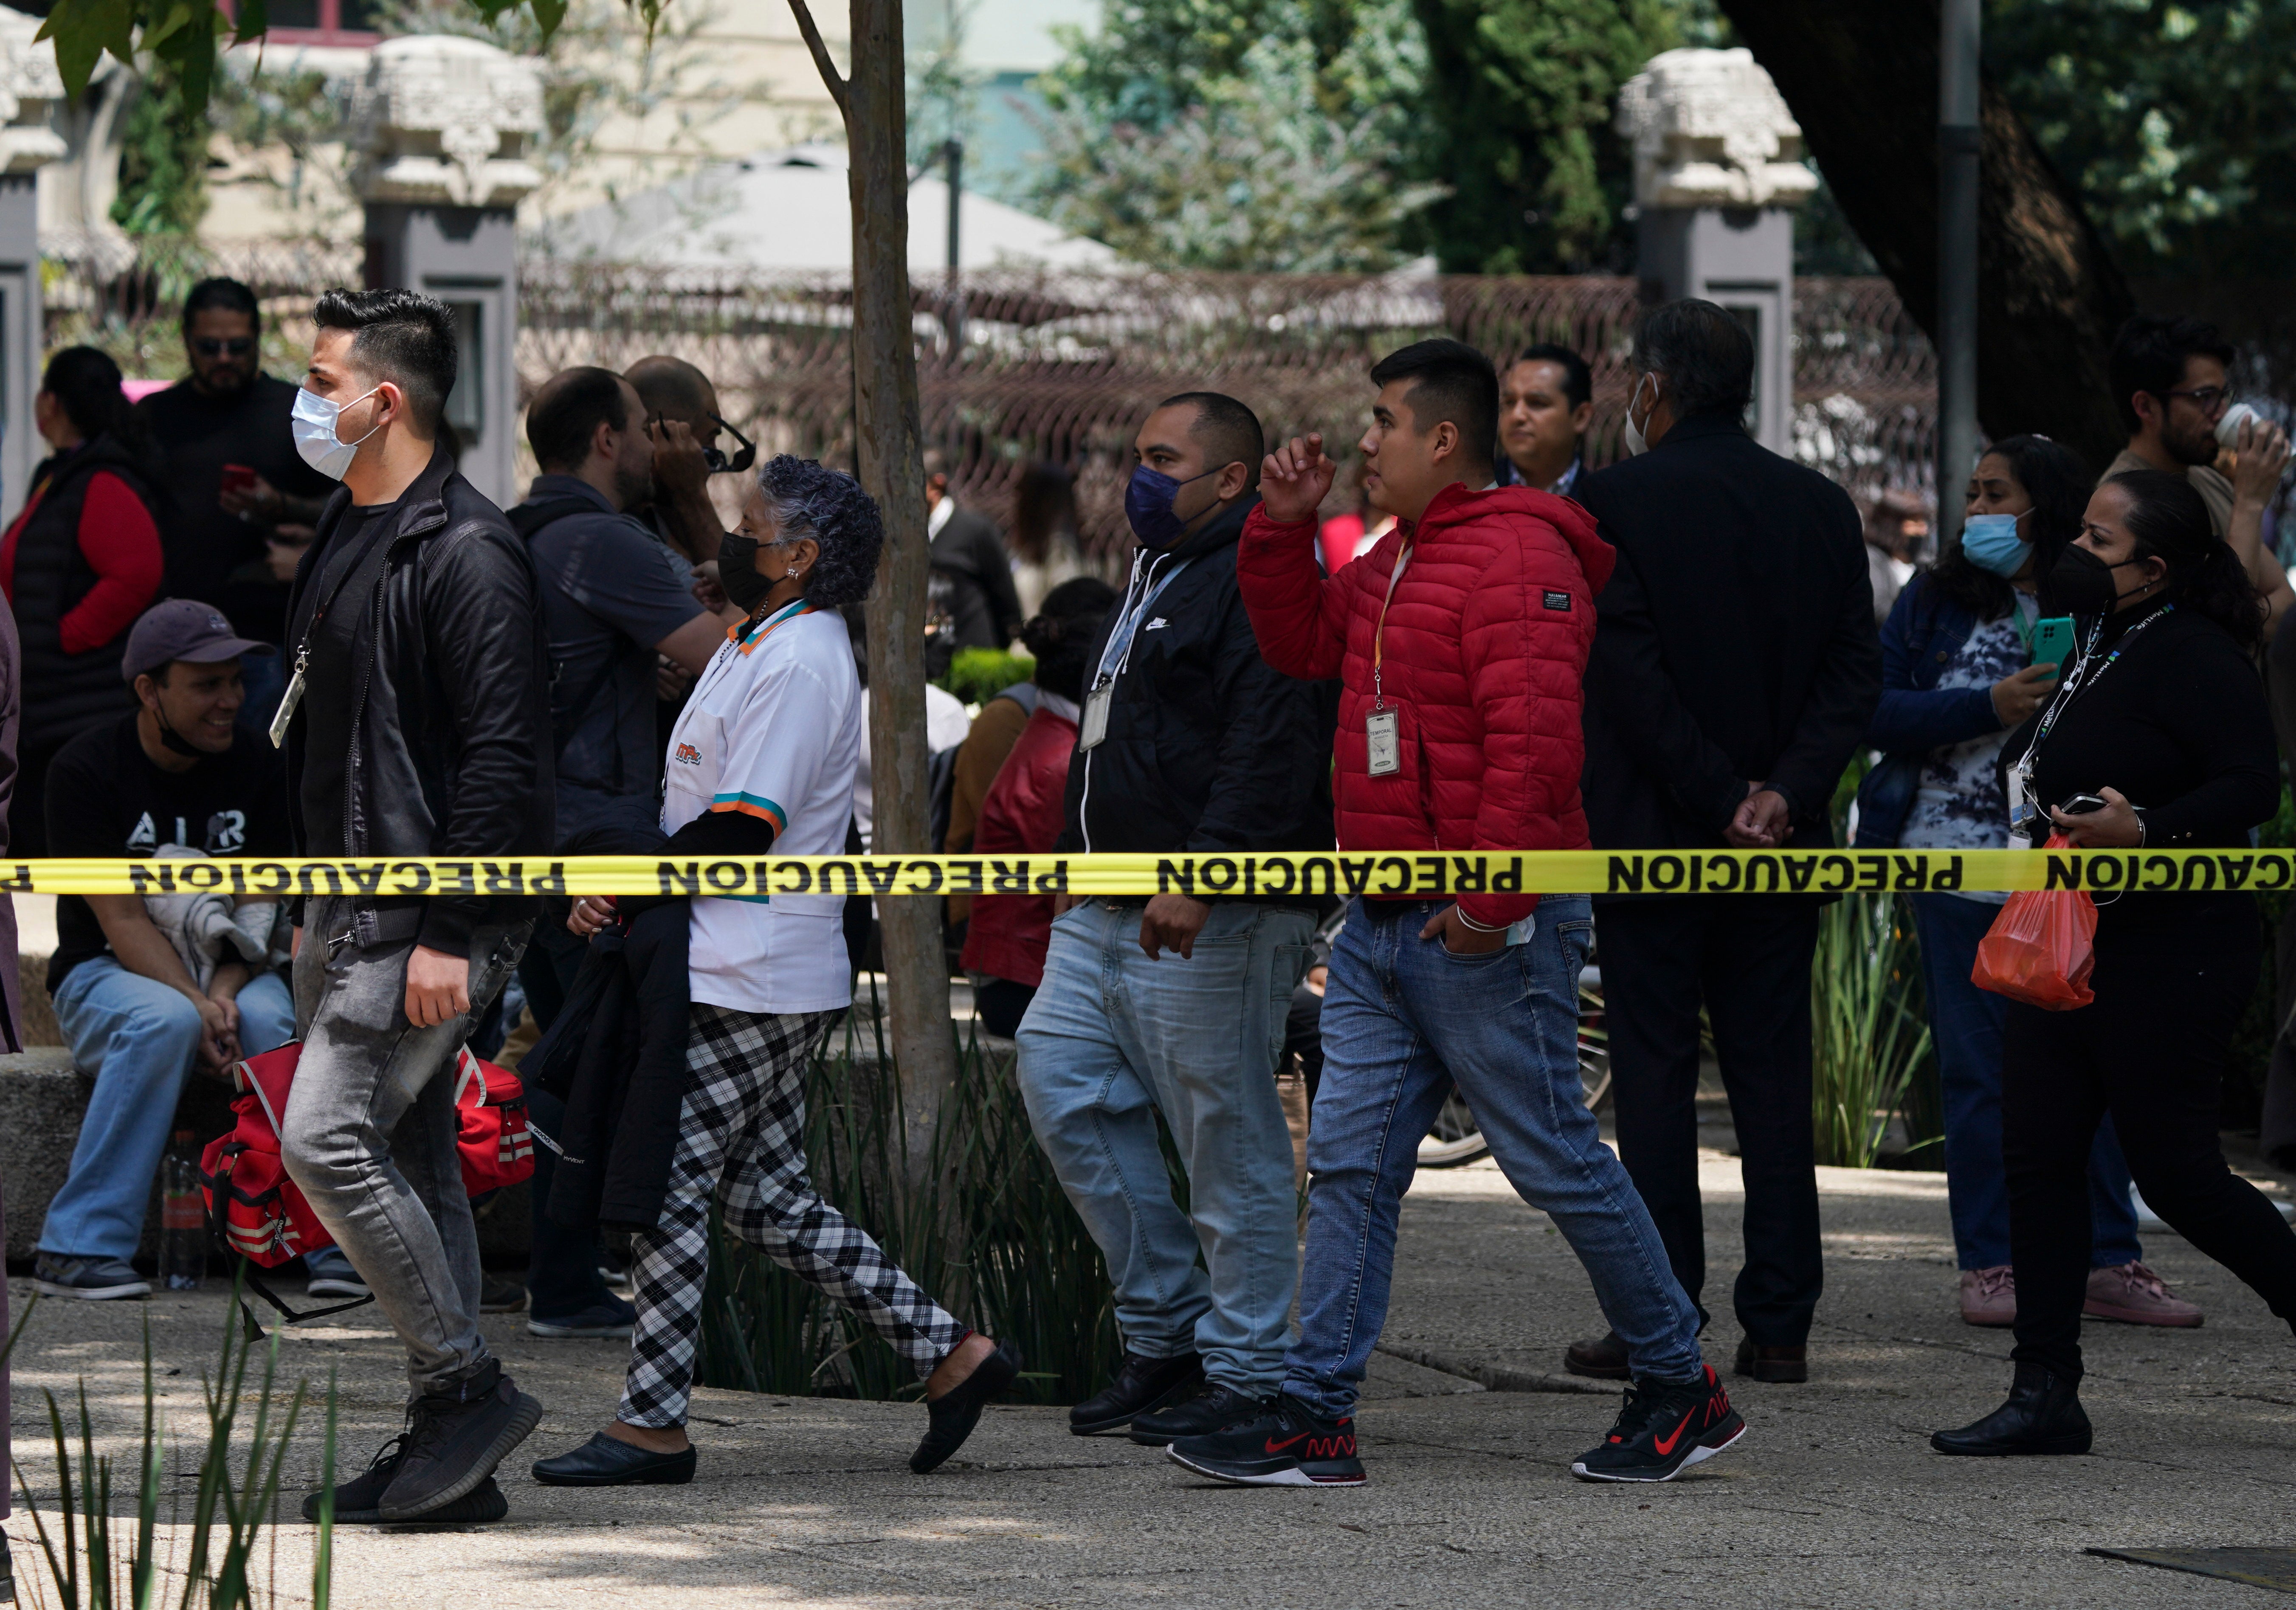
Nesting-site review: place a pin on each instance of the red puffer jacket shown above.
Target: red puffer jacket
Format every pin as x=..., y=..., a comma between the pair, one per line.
x=1023, y=812
x=1486, y=645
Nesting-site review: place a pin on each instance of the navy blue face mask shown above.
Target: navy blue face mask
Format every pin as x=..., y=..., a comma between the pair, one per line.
x=1148, y=505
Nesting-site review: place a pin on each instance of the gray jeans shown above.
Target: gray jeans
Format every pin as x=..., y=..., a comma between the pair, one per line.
x=370, y=1129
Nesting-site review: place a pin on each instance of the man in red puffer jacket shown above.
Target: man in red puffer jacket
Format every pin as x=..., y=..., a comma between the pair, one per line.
x=1460, y=640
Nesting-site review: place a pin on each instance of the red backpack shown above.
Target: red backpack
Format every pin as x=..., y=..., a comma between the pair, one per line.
x=255, y=1210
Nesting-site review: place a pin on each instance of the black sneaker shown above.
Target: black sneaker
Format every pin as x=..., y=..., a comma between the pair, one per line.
x=454, y=1443
x=92, y=1279
x=1142, y=1385
x=610, y=1317
x=1215, y=1407
x=358, y=1502
x=1288, y=1445
x=1664, y=1428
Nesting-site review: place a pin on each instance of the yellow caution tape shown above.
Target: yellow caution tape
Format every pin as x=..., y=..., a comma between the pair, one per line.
x=1273, y=875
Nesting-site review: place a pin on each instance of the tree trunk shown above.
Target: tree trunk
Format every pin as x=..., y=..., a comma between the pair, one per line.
x=889, y=457
x=1862, y=80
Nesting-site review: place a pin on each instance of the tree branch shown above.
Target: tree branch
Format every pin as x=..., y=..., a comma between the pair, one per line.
x=813, y=42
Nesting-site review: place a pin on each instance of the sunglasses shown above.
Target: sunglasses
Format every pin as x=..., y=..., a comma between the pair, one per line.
x=715, y=457
x=238, y=347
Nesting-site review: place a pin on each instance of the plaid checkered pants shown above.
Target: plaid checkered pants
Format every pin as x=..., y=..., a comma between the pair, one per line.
x=745, y=1112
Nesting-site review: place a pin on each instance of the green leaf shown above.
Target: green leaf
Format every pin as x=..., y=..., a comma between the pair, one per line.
x=79, y=44
x=254, y=20
x=549, y=14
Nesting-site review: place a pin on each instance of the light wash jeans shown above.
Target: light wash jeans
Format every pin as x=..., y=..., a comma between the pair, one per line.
x=1403, y=1020
x=139, y=1036
x=1110, y=1040
x=370, y=1131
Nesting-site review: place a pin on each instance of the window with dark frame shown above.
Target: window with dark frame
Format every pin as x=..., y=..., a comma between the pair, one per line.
x=341, y=23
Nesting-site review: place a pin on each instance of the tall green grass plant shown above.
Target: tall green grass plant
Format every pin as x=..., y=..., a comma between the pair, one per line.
x=1870, y=1034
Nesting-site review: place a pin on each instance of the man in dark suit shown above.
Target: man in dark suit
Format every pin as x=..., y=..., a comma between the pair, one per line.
x=1734, y=667
x=967, y=549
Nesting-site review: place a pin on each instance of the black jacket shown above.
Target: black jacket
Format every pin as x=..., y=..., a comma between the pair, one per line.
x=984, y=605
x=1735, y=642
x=66, y=694
x=450, y=732
x=616, y=1056
x=1209, y=747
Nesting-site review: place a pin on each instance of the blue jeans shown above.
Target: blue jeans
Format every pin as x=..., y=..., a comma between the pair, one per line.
x=1403, y=1020
x=1110, y=1040
x=140, y=1037
x=1966, y=1022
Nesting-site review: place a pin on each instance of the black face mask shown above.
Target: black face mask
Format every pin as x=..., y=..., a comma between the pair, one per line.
x=737, y=573
x=2081, y=583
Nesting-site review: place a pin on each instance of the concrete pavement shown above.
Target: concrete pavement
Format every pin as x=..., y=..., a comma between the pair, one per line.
x=1832, y=1499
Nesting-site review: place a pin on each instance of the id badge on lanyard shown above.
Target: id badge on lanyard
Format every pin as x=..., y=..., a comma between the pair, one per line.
x=1094, y=725
x=1382, y=728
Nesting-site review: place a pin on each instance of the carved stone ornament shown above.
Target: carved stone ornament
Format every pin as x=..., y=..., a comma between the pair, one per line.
x=1709, y=129
x=443, y=121
x=30, y=89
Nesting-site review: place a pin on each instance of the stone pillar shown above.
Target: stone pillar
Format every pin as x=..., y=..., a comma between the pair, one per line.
x=30, y=89
x=441, y=125
x=1717, y=174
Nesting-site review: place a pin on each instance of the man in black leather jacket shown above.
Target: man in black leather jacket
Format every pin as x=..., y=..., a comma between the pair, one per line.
x=416, y=723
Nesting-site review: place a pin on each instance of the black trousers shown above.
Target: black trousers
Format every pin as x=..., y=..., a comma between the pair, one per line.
x=1749, y=960
x=2151, y=1050
x=562, y=1270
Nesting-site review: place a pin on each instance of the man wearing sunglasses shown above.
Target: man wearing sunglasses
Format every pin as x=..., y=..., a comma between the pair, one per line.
x=689, y=436
x=2171, y=376
x=240, y=498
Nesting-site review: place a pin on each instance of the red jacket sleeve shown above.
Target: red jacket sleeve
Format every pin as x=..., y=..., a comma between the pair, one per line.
x=1525, y=659
x=1298, y=615
x=122, y=546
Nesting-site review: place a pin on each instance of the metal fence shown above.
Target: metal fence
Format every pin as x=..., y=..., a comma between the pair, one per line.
x=1060, y=366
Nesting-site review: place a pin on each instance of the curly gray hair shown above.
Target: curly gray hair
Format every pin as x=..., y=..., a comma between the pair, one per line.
x=829, y=506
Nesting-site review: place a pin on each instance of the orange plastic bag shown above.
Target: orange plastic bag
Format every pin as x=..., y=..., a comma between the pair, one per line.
x=2042, y=948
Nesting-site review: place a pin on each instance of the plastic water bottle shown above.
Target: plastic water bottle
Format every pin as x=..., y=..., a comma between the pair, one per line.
x=182, y=1217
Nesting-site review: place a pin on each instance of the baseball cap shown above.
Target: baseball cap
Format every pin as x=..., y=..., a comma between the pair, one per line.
x=183, y=628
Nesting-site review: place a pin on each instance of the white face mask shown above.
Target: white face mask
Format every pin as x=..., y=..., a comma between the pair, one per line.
x=1636, y=444
x=313, y=422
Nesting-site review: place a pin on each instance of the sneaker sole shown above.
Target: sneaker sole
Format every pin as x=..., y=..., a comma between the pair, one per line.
x=2139, y=1316
x=2063, y=1447
x=1291, y=1476
x=472, y=1507
x=1698, y=1455
x=92, y=1293
x=527, y=1416
x=572, y=1333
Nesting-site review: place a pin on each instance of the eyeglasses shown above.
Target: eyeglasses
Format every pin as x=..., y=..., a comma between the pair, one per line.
x=2208, y=399
x=713, y=457
x=238, y=347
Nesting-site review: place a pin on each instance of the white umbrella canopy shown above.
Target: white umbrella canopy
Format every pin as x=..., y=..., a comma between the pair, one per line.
x=788, y=211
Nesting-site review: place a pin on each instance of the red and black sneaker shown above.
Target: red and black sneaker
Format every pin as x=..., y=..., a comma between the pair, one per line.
x=1664, y=1428
x=1288, y=1445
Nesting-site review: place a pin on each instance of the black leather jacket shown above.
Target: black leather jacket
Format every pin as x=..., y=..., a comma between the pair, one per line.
x=450, y=730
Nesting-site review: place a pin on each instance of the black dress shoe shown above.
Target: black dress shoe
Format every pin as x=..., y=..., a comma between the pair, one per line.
x=1772, y=1363
x=1604, y=1359
x=606, y=1461
x=1215, y=1408
x=2043, y=1415
x=957, y=1412
x=1141, y=1385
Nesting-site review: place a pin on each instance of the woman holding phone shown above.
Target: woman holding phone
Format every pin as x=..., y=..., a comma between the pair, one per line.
x=1955, y=680
x=2157, y=738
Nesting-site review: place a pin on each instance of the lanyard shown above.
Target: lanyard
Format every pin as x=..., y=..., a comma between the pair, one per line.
x=1379, y=632
x=737, y=635
x=2085, y=673
x=1119, y=650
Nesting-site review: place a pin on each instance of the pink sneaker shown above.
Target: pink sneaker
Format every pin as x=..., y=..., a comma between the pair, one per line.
x=2134, y=1294
x=1989, y=1296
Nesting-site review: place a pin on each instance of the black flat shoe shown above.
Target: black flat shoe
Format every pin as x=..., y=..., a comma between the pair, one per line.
x=957, y=1412
x=2043, y=1415
x=606, y=1461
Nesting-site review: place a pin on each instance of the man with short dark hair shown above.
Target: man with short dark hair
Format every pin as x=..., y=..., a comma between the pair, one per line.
x=984, y=605
x=1188, y=742
x=138, y=1007
x=1459, y=641
x=417, y=724
x=684, y=428
x=2171, y=378
x=241, y=504
x=1734, y=668
x=1547, y=401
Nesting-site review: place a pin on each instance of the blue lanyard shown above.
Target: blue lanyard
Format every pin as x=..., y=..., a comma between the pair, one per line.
x=1127, y=626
